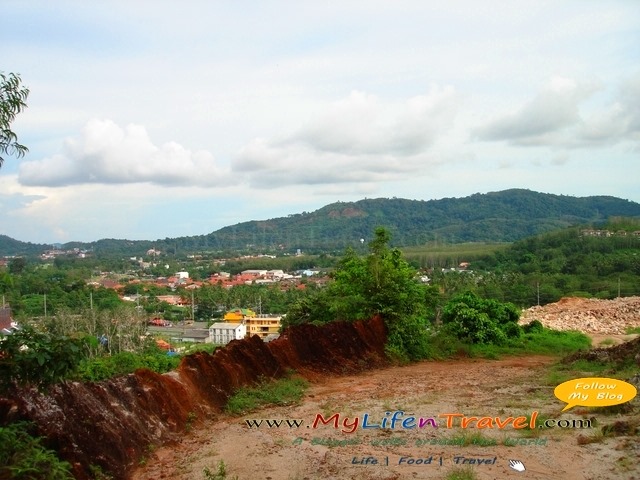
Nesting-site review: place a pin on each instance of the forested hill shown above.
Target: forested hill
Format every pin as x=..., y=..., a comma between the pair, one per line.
x=503, y=216
x=497, y=217
x=10, y=246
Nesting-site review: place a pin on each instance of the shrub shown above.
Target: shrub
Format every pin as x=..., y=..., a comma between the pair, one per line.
x=31, y=357
x=407, y=339
x=535, y=326
x=123, y=363
x=512, y=330
x=23, y=457
x=476, y=320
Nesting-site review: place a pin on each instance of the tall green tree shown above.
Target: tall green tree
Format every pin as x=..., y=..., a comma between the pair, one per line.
x=380, y=283
x=13, y=97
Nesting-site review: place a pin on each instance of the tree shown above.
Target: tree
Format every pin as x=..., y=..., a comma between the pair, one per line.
x=17, y=265
x=32, y=357
x=477, y=320
x=13, y=98
x=381, y=283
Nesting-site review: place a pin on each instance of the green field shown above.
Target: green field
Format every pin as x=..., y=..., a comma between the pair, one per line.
x=437, y=254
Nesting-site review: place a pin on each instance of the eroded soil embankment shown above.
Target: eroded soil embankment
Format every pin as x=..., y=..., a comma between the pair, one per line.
x=113, y=424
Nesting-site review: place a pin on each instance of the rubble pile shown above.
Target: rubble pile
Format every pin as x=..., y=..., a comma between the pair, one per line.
x=588, y=315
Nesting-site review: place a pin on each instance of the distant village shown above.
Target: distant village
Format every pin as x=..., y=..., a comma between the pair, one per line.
x=236, y=324
x=608, y=233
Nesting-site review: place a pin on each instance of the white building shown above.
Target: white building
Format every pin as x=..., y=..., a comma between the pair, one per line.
x=222, y=333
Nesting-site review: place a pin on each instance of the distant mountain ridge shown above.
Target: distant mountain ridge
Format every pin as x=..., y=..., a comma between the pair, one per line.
x=503, y=216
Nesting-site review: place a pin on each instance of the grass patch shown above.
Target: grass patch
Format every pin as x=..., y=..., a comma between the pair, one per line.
x=199, y=347
x=534, y=432
x=545, y=342
x=444, y=345
x=471, y=438
x=632, y=330
x=98, y=474
x=555, y=376
x=434, y=253
x=461, y=473
x=597, y=437
x=284, y=391
x=219, y=474
x=191, y=419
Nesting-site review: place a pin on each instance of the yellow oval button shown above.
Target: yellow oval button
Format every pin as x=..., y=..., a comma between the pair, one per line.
x=594, y=392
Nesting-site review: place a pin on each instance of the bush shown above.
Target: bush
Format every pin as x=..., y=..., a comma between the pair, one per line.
x=512, y=330
x=23, y=457
x=478, y=321
x=443, y=345
x=31, y=357
x=123, y=363
x=407, y=339
x=535, y=326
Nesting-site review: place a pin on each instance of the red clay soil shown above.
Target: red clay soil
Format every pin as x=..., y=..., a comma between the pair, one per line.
x=509, y=387
x=112, y=424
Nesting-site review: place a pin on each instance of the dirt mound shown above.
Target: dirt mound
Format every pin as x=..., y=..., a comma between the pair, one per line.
x=620, y=354
x=113, y=424
x=587, y=315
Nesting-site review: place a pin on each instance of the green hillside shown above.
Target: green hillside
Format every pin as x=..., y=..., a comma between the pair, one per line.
x=504, y=216
x=10, y=247
x=494, y=217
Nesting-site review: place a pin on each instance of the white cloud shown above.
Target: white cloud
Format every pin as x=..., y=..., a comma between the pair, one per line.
x=362, y=124
x=558, y=116
x=551, y=111
x=560, y=159
x=619, y=121
x=359, y=139
x=106, y=153
x=273, y=166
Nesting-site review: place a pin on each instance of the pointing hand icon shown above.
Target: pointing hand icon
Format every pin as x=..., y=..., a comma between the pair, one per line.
x=516, y=465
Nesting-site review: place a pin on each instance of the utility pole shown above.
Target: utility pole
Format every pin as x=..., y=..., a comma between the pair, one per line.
x=618, y=287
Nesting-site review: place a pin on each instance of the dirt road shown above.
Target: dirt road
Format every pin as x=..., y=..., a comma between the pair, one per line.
x=433, y=391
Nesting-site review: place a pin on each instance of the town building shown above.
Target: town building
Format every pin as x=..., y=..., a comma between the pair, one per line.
x=237, y=315
x=263, y=325
x=222, y=333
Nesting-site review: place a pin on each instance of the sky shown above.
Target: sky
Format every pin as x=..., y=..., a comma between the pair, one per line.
x=159, y=119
